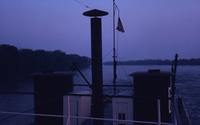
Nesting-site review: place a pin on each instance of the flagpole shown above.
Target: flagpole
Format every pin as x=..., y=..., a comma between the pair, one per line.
x=114, y=61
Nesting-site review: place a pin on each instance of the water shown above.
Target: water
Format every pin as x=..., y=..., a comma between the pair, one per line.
x=16, y=102
x=187, y=86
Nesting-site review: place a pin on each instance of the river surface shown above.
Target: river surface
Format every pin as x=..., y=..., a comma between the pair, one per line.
x=187, y=86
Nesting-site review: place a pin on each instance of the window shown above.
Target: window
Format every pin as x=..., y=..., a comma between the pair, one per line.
x=121, y=116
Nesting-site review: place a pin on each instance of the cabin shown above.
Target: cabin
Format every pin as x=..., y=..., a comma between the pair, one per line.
x=149, y=86
x=123, y=107
x=77, y=105
x=49, y=88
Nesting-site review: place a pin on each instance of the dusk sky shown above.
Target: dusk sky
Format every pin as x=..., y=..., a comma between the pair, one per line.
x=154, y=29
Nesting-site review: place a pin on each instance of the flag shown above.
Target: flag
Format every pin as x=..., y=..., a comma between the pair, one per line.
x=120, y=26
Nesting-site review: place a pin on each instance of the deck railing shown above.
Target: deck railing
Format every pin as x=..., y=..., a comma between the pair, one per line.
x=106, y=119
x=89, y=118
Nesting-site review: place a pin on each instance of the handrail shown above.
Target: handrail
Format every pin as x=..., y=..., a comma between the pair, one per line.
x=158, y=106
x=105, y=119
x=68, y=120
x=78, y=117
x=176, y=112
x=69, y=94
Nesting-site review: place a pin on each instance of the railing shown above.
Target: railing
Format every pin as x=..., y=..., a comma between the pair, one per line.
x=89, y=118
x=106, y=119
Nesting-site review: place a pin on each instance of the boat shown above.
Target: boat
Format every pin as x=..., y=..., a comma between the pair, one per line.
x=68, y=107
x=152, y=101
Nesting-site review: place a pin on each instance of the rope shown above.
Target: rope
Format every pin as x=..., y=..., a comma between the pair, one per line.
x=107, y=54
x=125, y=72
x=83, y=4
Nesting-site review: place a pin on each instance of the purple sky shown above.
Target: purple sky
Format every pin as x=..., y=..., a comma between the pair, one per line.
x=154, y=29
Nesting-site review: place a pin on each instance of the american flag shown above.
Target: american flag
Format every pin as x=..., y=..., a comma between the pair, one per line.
x=120, y=26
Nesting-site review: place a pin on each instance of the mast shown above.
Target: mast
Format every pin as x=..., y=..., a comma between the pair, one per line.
x=174, y=77
x=114, y=57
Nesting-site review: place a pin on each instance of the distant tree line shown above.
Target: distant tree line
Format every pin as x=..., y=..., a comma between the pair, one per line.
x=157, y=62
x=13, y=60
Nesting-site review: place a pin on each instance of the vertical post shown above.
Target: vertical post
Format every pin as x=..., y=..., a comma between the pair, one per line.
x=174, y=76
x=114, y=61
x=68, y=121
x=97, y=78
x=175, y=63
x=159, y=117
x=97, y=88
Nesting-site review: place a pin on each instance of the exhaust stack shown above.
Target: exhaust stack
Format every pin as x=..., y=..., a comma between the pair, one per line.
x=96, y=54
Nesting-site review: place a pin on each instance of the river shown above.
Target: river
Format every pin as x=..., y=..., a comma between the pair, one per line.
x=187, y=86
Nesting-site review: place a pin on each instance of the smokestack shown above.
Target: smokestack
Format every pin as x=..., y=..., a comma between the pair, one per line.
x=96, y=54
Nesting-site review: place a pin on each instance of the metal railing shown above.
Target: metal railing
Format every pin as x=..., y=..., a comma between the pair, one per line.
x=89, y=118
x=105, y=119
